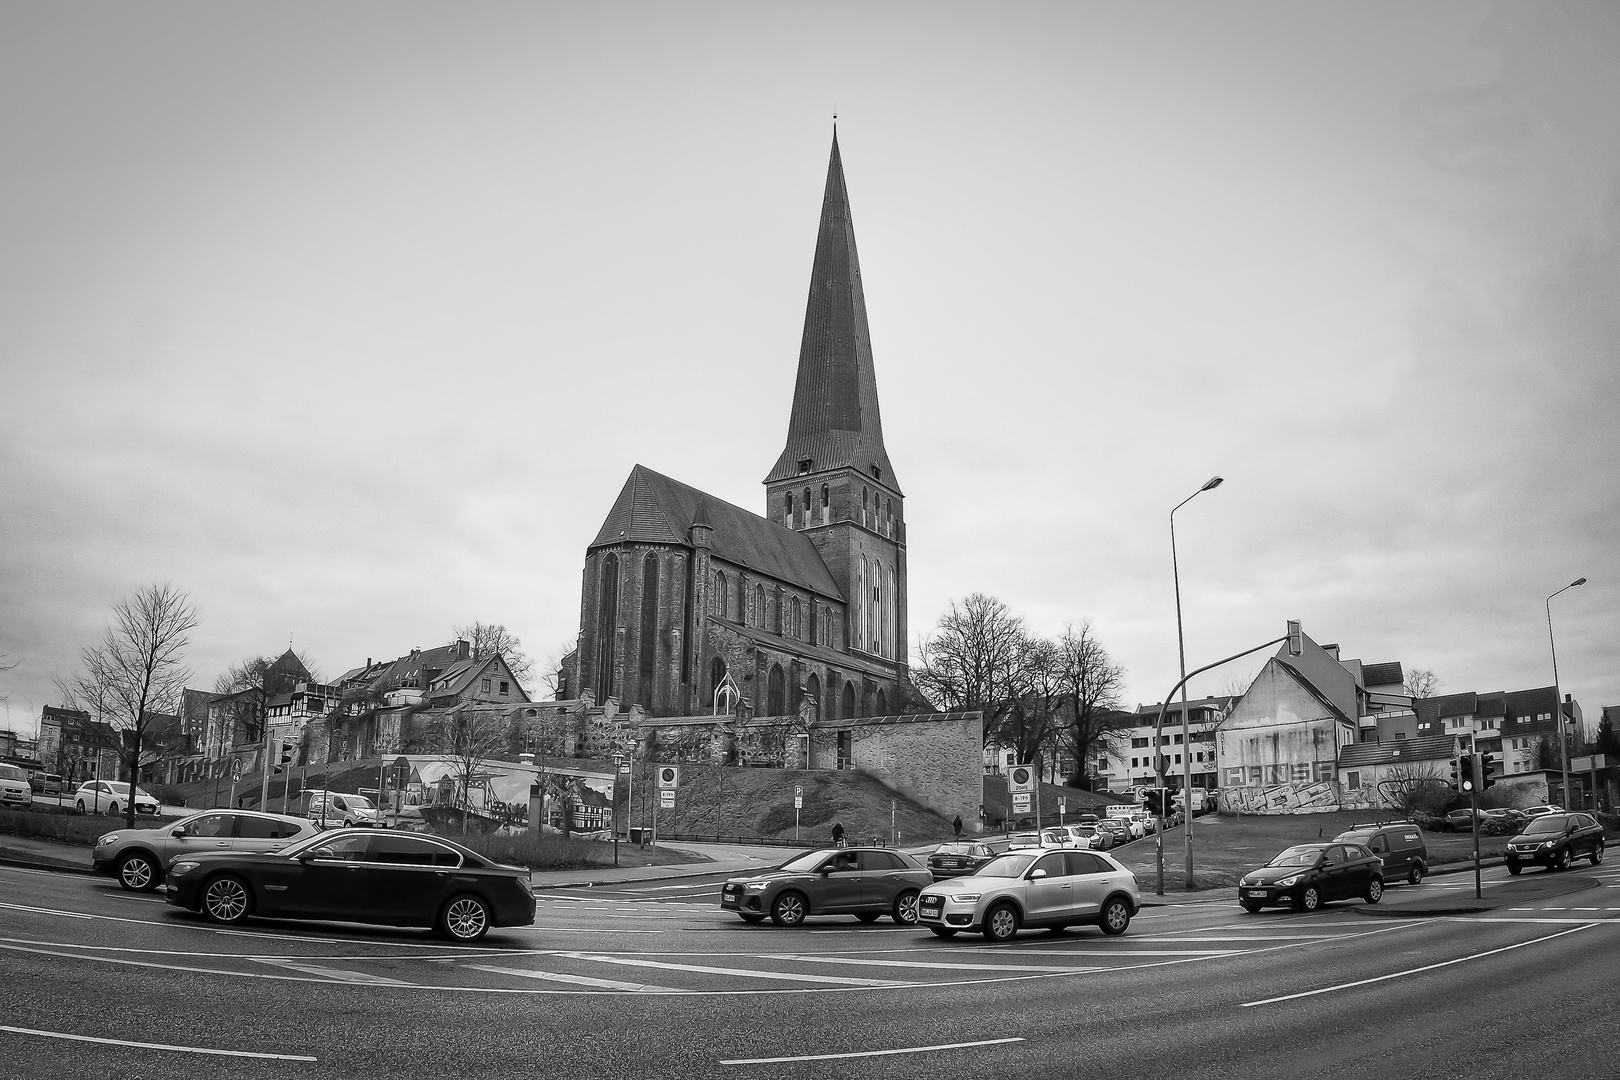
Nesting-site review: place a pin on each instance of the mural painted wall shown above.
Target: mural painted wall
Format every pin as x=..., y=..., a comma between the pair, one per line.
x=1277, y=752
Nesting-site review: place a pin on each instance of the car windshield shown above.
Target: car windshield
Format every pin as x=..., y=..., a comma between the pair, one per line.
x=359, y=802
x=11, y=772
x=954, y=849
x=1297, y=856
x=1008, y=866
x=800, y=864
x=1546, y=823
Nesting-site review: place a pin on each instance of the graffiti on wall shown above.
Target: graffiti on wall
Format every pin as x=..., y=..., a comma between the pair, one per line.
x=1297, y=797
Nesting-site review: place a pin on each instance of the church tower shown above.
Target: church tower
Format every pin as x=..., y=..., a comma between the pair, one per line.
x=833, y=482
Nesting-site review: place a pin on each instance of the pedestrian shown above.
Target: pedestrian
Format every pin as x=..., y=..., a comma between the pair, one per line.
x=956, y=824
x=838, y=834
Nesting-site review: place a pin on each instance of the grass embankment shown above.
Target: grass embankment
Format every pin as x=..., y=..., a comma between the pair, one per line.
x=64, y=826
x=1227, y=846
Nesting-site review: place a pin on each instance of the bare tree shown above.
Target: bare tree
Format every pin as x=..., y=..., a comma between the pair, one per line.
x=1031, y=722
x=467, y=735
x=1090, y=682
x=554, y=677
x=1421, y=683
x=136, y=671
x=493, y=639
x=976, y=659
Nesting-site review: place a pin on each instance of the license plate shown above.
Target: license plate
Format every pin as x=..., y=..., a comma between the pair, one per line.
x=1254, y=892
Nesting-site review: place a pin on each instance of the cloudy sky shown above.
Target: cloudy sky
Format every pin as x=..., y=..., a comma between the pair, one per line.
x=351, y=320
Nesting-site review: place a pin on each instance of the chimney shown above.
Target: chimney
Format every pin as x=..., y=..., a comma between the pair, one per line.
x=463, y=650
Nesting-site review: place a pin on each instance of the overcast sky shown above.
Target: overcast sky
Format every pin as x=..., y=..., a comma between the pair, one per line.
x=351, y=320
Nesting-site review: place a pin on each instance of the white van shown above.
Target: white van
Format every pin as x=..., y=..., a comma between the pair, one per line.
x=341, y=809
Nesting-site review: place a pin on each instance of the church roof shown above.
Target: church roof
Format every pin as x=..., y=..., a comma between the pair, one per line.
x=653, y=509
x=835, y=420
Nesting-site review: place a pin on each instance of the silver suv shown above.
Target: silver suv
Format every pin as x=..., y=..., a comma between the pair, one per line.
x=139, y=858
x=1027, y=887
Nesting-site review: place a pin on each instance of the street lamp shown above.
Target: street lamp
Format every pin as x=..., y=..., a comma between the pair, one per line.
x=1181, y=651
x=1558, y=697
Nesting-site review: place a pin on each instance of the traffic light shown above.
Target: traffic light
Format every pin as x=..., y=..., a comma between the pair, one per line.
x=289, y=750
x=1487, y=770
x=1465, y=773
x=1456, y=774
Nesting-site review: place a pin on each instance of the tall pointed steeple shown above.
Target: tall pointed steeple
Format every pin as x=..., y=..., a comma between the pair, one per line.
x=835, y=422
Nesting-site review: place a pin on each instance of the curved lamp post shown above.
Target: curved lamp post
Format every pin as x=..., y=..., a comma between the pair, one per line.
x=1181, y=652
x=1558, y=697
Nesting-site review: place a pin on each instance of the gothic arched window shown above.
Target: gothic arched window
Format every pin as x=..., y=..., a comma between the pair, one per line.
x=776, y=613
x=812, y=687
x=882, y=704
x=649, y=630
x=826, y=504
x=717, y=675
x=847, y=706
x=797, y=629
x=759, y=606
x=774, y=705
x=790, y=509
x=607, y=622
x=717, y=602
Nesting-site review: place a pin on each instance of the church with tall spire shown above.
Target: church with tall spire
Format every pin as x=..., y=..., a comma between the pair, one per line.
x=692, y=605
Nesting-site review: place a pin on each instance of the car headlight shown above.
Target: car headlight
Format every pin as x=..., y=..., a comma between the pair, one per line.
x=755, y=886
x=1287, y=881
x=181, y=867
x=110, y=838
x=1547, y=843
x=964, y=898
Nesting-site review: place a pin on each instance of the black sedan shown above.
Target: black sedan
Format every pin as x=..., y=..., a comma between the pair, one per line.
x=1309, y=875
x=867, y=883
x=956, y=859
x=358, y=875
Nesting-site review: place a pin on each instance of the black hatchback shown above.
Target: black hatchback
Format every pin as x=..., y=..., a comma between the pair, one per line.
x=958, y=859
x=1307, y=876
x=358, y=875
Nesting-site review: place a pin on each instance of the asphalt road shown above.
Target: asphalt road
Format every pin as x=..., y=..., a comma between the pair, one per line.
x=653, y=980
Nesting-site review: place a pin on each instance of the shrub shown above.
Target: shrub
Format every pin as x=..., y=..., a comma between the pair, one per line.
x=544, y=852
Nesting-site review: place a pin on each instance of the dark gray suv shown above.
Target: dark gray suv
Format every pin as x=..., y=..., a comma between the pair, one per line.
x=1555, y=840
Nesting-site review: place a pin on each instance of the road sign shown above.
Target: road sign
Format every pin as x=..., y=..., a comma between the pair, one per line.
x=1021, y=778
x=1063, y=805
x=1020, y=802
x=798, y=790
x=236, y=770
x=669, y=778
x=798, y=802
x=624, y=766
x=666, y=800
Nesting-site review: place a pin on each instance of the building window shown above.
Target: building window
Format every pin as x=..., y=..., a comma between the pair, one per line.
x=774, y=704
x=1139, y=741
x=806, y=507
x=826, y=504
x=798, y=620
x=882, y=704
x=776, y=614
x=847, y=705
x=789, y=514
x=759, y=606
x=812, y=688
x=483, y=686
x=505, y=688
x=607, y=614
x=1352, y=780
x=649, y=630
x=717, y=603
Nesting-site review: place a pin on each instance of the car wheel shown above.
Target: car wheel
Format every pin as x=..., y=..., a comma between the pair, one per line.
x=1310, y=899
x=112, y=809
x=905, y=908
x=1251, y=908
x=789, y=910
x=226, y=900
x=1375, y=890
x=750, y=918
x=869, y=916
x=80, y=805
x=464, y=918
x=1000, y=923
x=1597, y=854
x=942, y=931
x=1414, y=876
x=1115, y=917
x=1514, y=868
x=1558, y=861
x=136, y=872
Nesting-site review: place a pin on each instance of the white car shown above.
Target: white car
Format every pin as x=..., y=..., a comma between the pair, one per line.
x=14, y=788
x=1027, y=888
x=342, y=810
x=1079, y=836
x=1538, y=811
x=110, y=797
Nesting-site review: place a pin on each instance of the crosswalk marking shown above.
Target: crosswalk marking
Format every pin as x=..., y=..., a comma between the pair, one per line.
x=335, y=974
x=579, y=980
x=751, y=973
x=859, y=962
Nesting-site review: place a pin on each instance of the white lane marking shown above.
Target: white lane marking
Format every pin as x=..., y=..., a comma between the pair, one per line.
x=155, y=1046
x=579, y=980
x=343, y=975
x=673, y=888
x=577, y=930
x=752, y=973
x=47, y=911
x=1235, y=937
x=1414, y=971
x=858, y=962
x=870, y=1053
x=142, y=899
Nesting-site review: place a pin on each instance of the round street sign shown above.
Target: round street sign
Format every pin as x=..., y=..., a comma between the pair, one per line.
x=798, y=789
x=669, y=777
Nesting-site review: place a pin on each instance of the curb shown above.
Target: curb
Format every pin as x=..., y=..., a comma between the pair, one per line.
x=30, y=864
x=1562, y=887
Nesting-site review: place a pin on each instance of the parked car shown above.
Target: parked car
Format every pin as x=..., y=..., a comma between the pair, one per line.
x=45, y=783
x=341, y=810
x=139, y=858
x=1554, y=841
x=1117, y=829
x=1310, y=875
x=14, y=787
x=1097, y=838
x=1399, y=845
x=867, y=883
x=1461, y=820
x=358, y=875
x=1538, y=811
x=1021, y=889
x=956, y=859
x=111, y=796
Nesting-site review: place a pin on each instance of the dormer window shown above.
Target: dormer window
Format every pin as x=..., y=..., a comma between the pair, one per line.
x=877, y=472
x=805, y=463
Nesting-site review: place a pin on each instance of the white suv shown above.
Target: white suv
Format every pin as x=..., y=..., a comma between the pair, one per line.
x=14, y=788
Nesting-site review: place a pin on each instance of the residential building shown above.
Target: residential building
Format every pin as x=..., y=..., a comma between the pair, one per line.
x=1126, y=762
x=77, y=747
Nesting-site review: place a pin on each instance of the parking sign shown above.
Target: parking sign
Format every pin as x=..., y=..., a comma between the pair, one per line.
x=1021, y=778
x=669, y=777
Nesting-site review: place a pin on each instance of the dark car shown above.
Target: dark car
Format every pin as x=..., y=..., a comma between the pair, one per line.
x=1398, y=844
x=955, y=860
x=1117, y=829
x=1309, y=875
x=358, y=875
x=1462, y=820
x=867, y=883
x=1554, y=840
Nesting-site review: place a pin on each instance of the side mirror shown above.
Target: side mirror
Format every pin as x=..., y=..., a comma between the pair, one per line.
x=307, y=855
x=1035, y=875
x=178, y=830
